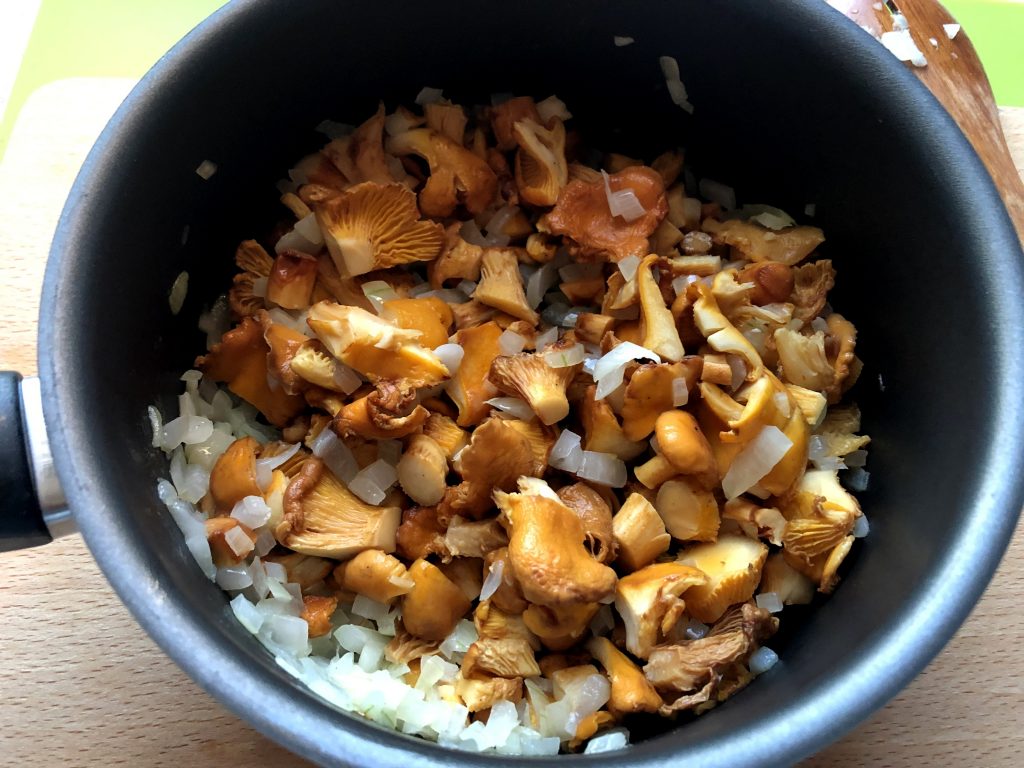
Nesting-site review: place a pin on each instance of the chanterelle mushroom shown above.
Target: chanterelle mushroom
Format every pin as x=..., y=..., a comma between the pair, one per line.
x=501, y=285
x=360, y=156
x=456, y=174
x=541, y=169
x=733, y=567
x=582, y=213
x=631, y=691
x=376, y=348
x=373, y=226
x=387, y=412
x=528, y=376
x=321, y=517
x=789, y=246
x=546, y=549
x=496, y=457
x=649, y=602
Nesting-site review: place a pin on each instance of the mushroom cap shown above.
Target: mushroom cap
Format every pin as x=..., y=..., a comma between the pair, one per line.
x=373, y=226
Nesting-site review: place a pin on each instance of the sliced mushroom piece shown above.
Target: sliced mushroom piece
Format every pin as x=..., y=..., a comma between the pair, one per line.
x=596, y=517
x=434, y=605
x=468, y=538
x=459, y=260
x=234, y=475
x=690, y=512
x=559, y=628
x=681, y=441
x=375, y=574
x=360, y=156
x=649, y=602
x=504, y=116
x=430, y=316
x=447, y=119
x=844, y=334
x=223, y=551
x=755, y=520
x=388, y=412
x=659, y=327
x=791, y=586
x=291, y=280
x=754, y=242
x=602, y=431
x=321, y=517
x=546, y=548
x=501, y=285
x=448, y=435
x=470, y=388
x=240, y=360
x=373, y=226
x=733, y=567
x=539, y=437
x=420, y=534
x=631, y=691
x=456, y=174
x=582, y=213
x=508, y=596
x=507, y=657
x=530, y=377
x=541, y=168
x=639, y=532
x=283, y=343
x=810, y=285
x=651, y=391
x=422, y=470
x=466, y=573
x=481, y=694
x=497, y=456
x=316, y=612
x=721, y=334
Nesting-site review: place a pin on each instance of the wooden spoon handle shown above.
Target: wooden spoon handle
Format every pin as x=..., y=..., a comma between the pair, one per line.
x=957, y=79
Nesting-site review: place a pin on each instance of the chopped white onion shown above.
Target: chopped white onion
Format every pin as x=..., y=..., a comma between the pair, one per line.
x=276, y=571
x=810, y=209
x=565, y=358
x=572, y=273
x=494, y=576
x=308, y=227
x=467, y=287
x=377, y=292
x=738, y=368
x=781, y=400
x=266, y=466
x=567, y=452
x=951, y=30
x=551, y=107
x=289, y=241
x=233, y=578
x=471, y=233
x=290, y=632
x=719, y=193
x=495, y=225
x=676, y=89
x=247, y=614
x=755, y=460
x=899, y=21
x=539, y=283
x=628, y=266
x=545, y=338
x=861, y=527
x=902, y=46
x=622, y=40
x=346, y=379
x=451, y=355
x=769, y=601
x=602, y=468
x=335, y=454
x=623, y=202
x=609, y=741
x=511, y=343
x=857, y=479
x=624, y=353
x=680, y=392
x=251, y=511
x=239, y=541
x=206, y=169
x=681, y=283
x=156, y=423
x=762, y=660
x=179, y=289
x=429, y=95
x=856, y=458
x=372, y=482
x=611, y=383
x=513, y=406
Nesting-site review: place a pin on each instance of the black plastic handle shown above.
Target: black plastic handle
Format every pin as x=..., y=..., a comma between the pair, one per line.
x=21, y=519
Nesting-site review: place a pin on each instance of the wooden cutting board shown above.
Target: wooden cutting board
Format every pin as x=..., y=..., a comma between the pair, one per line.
x=82, y=685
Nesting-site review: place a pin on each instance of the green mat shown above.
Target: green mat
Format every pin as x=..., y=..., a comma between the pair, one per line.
x=122, y=38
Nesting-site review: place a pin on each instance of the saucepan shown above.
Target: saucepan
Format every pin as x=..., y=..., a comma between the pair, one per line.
x=792, y=105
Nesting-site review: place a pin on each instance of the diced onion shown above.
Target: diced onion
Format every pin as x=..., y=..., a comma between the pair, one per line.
x=239, y=541
x=951, y=30
x=738, y=368
x=810, y=209
x=493, y=580
x=623, y=202
x=513, y=406
x=266, y=466
x=335, y=454
x=567, y=452
x=389, y=451
x=276, y=571
x=511, y=343
x=857, y=479
x=719, y=193
x=206, y=169
x=572, y=273
x=233, y=578
x=550, y=336
x=251, y=511
x=247, y=614
x=681, y=283
x=680, y=392
x=429, y=95
x=565, y=358
x=856, y=458
x=551, y=107
x=346, y=379
x=695, y=630
x=290, y=632
x=609, y=741
x=628, y=266
x=602, y=468
x=377, y=291
x=769, y=601
x=539, y=283
x=495, y=226
x=179, y=289
x=902, y=46
x=755, y=460
x=156, y=422
x=676, y=89
x=762, y=660
x=451, y=355
x=622, y=40
x=471, y=233
x=626, y=352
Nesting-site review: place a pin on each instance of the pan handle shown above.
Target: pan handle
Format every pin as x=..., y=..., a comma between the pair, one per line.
x=33, y=510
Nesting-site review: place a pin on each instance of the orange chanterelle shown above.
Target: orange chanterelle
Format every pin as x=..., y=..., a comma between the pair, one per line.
x=499, y=439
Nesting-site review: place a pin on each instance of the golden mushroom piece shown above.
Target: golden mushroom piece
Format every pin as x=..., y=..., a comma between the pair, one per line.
x=434, y=605
x=530, y=377
x=389, y=412
x=360, y=156
x=631, y=691
x=789, y=246
x=322, y=517
x=373, y=226
x=501, y=285
x=649, y=602
x=456, y=174
x=541, y=169
x=733, y=569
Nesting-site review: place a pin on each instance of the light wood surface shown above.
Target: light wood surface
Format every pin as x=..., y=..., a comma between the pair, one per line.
x=81, y=684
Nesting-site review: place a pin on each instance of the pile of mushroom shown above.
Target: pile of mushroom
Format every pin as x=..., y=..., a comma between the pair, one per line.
x=575, y=405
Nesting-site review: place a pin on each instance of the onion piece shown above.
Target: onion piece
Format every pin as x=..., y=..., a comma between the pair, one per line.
x=769, y=601
x=624, y=202
x=545, y=338
x=902, y=46
x=251, y=511
x=551, y=107
x=247, y=614
x=567, y=452
x=156, y=422
x=495, y=226
x=471, y=233
x=179, y=290
x=290, y=632
x=513, y=406
x=451, y=355
x=622, y=40
x=762, y=660
x=695, y=630
x=539, y=283
x=377, y=292
x=628, y=266
x=609, y=741
x=511, y=343
x=602, y=468
x=719, y=193
x=239, y=541
x=493, y=580
x=676, y=89
x=565, y=358
x=622, y=355
x=951, y=30
x=346, y=379
x=429, y=95
x=233, y=578
x=571, y=273
x=206, y=169
x=680, y=392
x=755, y=460
x=339, y=459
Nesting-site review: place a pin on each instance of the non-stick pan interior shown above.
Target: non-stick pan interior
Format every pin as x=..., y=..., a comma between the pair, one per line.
x=791, y=108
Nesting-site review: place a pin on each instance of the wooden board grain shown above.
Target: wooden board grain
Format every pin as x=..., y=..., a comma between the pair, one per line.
x=82, y=685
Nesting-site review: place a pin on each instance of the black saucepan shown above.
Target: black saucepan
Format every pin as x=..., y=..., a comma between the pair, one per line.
x=794, y=105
